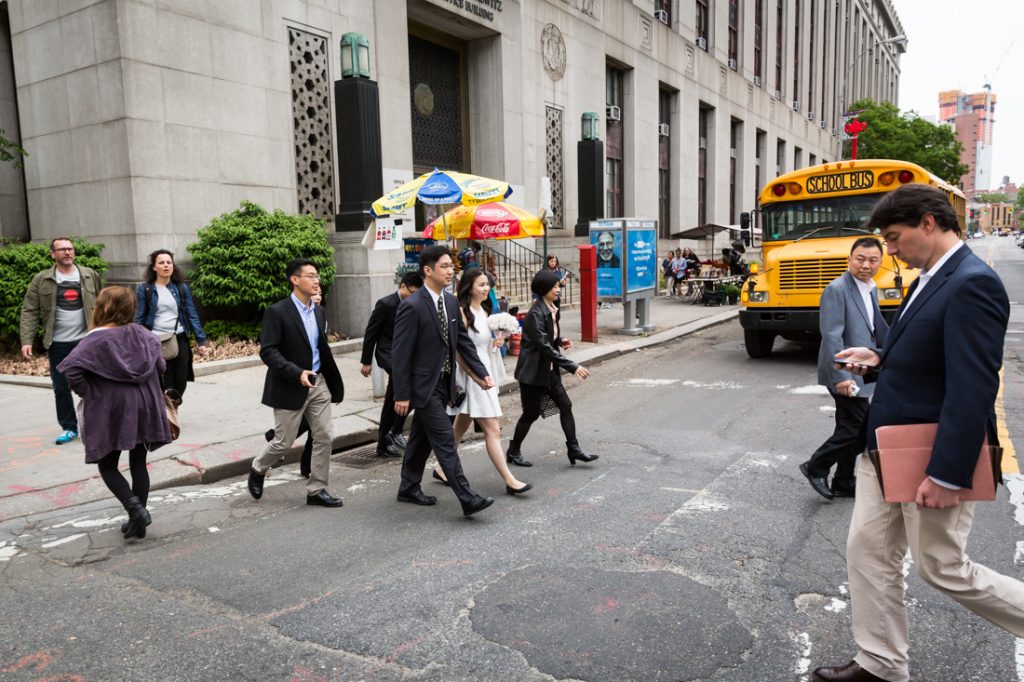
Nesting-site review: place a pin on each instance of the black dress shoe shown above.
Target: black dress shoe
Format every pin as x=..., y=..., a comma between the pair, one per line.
x=416, y=496
x=476, y=504
x=323, y=499
x=514, y=456
x=843, y=488
x=256, y=484
x=518, y=491
x=819, y=483
x=437, y=477
x=851, y=672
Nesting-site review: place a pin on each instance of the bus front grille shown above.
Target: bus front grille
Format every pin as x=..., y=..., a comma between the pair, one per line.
x=812, y=274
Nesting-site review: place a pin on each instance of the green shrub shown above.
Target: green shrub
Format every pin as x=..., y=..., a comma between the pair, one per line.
x=240, y=258
x=19, y=263
x=232, y=331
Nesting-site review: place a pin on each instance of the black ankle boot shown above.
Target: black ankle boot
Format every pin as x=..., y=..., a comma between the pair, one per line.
x=575, y=453
x=514, y=456
x=138, y=518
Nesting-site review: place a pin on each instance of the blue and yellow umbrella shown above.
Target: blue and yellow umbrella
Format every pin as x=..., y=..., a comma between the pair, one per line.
x=442, y=187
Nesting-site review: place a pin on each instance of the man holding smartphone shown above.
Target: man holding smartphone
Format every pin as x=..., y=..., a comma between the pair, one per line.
x=849, y=317
x=302, y=380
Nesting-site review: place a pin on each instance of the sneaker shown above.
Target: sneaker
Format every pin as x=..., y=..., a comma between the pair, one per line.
x=399, y=440
x=66, y=437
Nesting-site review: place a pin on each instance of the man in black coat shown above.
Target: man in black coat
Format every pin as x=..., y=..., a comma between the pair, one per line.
x=302, y=380
x=428, y=333
x=377, y=340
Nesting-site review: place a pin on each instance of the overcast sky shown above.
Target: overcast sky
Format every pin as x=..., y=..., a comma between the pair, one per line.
x=957, y=45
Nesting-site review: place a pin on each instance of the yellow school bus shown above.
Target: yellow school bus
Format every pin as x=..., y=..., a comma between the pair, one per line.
x=809, y=220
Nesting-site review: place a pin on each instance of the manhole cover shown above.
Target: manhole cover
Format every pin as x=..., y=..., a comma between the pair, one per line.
x=362, y=457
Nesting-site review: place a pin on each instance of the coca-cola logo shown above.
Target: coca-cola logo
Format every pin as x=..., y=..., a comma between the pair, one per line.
x=498, y=229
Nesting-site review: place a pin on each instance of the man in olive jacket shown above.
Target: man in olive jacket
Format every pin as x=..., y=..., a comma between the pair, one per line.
x=60, y=298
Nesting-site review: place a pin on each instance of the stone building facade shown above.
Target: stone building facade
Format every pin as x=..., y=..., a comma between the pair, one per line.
x=145, y=118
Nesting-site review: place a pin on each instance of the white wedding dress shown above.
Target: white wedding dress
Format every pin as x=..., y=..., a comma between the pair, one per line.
x=479, y=403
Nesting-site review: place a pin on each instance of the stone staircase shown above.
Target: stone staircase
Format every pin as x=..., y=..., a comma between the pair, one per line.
x=515, y=265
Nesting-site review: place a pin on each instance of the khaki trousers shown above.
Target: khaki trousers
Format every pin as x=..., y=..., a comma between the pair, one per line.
x=880, y=535
x=286, y=425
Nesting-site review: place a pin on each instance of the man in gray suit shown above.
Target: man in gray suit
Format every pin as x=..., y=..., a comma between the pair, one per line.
x=849, y=317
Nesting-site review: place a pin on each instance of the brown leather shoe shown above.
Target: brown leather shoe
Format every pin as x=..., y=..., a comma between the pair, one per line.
x=851, y=672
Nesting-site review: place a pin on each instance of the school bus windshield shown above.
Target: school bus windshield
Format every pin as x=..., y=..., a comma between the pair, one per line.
x=818, y=218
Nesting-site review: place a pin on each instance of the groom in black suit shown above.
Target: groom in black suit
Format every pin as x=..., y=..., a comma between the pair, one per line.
x=428, y=333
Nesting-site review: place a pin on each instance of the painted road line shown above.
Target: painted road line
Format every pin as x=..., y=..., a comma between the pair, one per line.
x=1009, y=463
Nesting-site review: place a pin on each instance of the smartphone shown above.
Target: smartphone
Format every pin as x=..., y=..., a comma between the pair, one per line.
x=312, y=379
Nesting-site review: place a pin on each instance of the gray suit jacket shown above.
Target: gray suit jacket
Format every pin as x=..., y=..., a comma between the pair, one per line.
x=843, y=322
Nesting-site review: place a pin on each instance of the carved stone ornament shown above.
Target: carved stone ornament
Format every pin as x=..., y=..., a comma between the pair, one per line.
x=552, y=49
x=423, y=99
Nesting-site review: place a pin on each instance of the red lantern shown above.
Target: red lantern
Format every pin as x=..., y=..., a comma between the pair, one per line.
x=853, y=128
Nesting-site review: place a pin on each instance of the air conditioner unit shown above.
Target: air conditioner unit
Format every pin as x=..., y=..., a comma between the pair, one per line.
x=662, y=130
x=757, y=81
x=732, y=153
x=662, y=16
x=822, y=125
x=796, y=104
x=613, y=113
x=702, y=43
x=810, y=115
x=833, y=132
x=732, y=64
x=778, y=94
x=703, y=143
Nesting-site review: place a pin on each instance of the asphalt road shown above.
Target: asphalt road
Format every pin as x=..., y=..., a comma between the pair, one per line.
x=693, y=549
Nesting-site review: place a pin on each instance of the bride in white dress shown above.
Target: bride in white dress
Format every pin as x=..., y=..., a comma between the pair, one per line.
x=480, y=404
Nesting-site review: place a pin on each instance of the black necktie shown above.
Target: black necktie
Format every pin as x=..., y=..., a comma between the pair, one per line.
x=444, y=333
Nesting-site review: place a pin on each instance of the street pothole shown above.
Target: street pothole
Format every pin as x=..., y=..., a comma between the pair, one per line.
x=604, y=625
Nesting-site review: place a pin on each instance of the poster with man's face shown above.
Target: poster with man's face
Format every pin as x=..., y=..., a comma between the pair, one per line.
x=609, y=261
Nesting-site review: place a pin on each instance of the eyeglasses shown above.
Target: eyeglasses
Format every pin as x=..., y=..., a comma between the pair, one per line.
x=69, y=249
x=309, y=277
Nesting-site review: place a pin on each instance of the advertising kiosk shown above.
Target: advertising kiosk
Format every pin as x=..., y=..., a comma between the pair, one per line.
x=627, y=267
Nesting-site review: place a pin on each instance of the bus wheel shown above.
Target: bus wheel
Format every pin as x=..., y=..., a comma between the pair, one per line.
x=759, y=344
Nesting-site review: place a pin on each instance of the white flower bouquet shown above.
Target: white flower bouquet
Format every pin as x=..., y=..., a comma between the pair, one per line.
x=502, y=324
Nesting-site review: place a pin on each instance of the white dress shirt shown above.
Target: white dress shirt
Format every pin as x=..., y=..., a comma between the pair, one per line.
x=867, y=294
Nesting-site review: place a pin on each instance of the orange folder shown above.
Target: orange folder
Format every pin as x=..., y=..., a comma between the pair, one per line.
x=904, y=452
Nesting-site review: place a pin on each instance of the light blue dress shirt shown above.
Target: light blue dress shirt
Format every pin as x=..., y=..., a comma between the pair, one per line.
x=308, y=315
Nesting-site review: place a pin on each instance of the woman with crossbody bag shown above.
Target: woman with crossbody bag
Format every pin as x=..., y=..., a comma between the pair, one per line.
x=165, y=307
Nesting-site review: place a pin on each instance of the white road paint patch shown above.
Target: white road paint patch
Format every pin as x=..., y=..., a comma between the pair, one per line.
x=703, y=502
x=809, y=390
x=827, y=408
x=836, y=605
x=1015, y=486
x=8, y=550
x=353, y=488
x=62, y=541
x=645, y=383
x=89, y=523
x=715, y=386
x=213, y=529
x=802, y=640
x=844, y=589
x=763, y=460
x=782, y=387
x=1018, y=657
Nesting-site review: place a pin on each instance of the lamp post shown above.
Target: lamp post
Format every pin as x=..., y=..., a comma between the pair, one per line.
x=895, y=40
x=590, y=173
x=357, y=108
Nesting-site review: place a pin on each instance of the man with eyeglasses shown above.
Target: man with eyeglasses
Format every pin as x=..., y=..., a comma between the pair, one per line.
x=302, y=381
x=61, y=299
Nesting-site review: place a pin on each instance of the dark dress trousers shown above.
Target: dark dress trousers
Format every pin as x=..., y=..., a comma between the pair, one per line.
x=945, y=366
x=377, y=340
x=417, y=361
x=285, y=350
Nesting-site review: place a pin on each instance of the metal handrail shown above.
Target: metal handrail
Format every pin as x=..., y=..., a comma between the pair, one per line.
x=515, y=265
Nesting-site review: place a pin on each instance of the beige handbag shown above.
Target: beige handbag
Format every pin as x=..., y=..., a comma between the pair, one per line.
x=169, y=345
x=171, y=402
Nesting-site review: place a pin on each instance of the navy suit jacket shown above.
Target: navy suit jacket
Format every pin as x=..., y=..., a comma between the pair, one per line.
x=941, y=362
x=417, y=355
x=378, y=337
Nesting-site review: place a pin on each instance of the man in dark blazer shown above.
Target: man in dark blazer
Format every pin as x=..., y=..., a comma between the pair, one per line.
x=940, y=364
x=429, y=332
x=302, y=380
x=849, y=317
x=377, y=340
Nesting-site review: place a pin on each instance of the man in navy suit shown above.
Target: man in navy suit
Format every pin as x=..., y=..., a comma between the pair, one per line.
x=850, y=316
x=377, y=341
x=428, y=334
x=940, y=364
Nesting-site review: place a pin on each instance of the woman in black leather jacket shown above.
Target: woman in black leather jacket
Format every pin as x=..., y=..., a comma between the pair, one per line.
x=540, y=359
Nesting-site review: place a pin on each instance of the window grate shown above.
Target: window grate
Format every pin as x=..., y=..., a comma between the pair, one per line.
x=311, y=115
x=555, y=165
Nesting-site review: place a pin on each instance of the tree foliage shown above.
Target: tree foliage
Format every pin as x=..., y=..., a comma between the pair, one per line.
x=991, y=198
x=908, y=137
x=19, y=263
x=10, y=151
x=240, y=258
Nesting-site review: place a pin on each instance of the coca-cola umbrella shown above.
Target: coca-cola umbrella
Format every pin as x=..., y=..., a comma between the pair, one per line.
x=494, y=220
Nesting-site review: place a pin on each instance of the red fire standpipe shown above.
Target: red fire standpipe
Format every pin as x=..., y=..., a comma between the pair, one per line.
x=588, y=292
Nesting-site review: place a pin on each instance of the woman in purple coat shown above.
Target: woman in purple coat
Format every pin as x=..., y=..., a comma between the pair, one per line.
x=116, y=369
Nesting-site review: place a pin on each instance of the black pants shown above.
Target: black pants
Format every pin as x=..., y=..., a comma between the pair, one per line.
x=531, y=397
x=847, y=441
x=117, y=482
x=66, y=416
x=176, y=376
x=390, y=422
x=432, y=430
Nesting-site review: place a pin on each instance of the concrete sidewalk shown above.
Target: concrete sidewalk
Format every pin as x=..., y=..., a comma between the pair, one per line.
x=223, y=421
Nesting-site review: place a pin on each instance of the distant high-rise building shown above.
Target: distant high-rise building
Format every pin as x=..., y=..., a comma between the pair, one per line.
x=971, y=115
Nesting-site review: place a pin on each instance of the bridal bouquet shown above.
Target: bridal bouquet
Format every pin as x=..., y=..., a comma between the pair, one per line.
x=502, y=324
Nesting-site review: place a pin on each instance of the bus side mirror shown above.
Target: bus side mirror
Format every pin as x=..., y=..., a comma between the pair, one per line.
x=745, y=220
